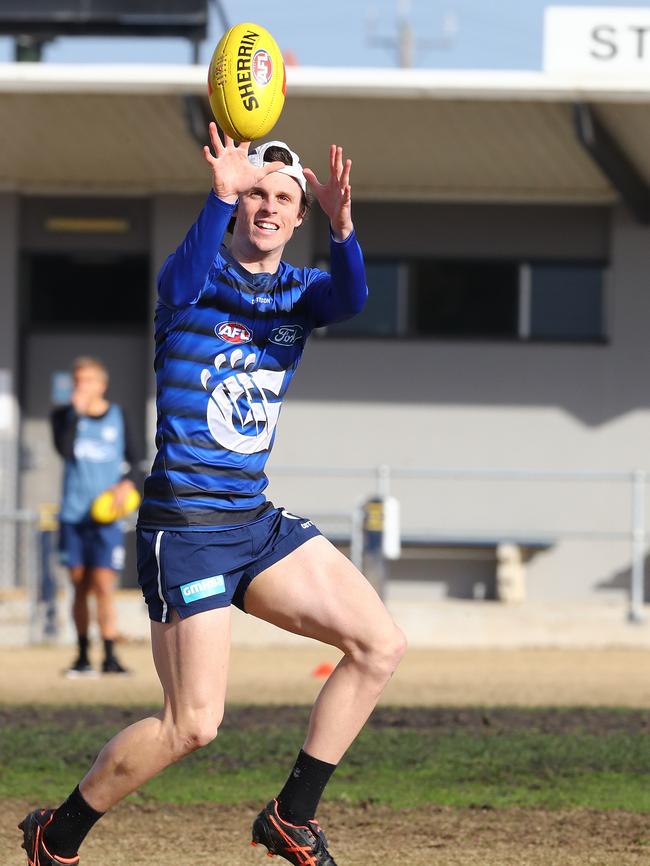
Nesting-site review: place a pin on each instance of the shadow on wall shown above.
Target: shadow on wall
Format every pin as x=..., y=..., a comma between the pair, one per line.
x=581, y=381
x=622, y=579
x=438, y=575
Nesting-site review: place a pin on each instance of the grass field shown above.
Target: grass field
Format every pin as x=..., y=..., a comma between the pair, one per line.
x=403, y=759
x=424, y=784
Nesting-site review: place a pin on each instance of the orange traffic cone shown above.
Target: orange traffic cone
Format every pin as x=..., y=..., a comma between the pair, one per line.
x=322, y=671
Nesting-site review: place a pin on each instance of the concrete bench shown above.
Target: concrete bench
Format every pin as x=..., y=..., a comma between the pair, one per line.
x=511, y=553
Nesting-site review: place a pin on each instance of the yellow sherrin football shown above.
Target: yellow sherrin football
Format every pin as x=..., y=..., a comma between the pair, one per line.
x=247, y=82
x=103, y=509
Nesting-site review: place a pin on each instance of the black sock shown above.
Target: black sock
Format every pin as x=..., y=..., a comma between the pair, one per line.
x=108, y=650
x=82, y=640
x=70, y=825
x=298, y=800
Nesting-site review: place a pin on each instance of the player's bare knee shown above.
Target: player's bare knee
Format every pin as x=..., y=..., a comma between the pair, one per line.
x=393, y=648
x=195, y=733
x=379, y=654
x=198, y=737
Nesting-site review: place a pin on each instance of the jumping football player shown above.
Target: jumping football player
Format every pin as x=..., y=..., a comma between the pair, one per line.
x=231, y=326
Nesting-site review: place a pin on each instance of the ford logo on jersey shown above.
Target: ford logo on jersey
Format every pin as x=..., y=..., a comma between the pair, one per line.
x=286, y=335
x=233, y=332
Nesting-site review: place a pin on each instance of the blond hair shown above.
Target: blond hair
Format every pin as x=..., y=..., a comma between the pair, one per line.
x=85, y=361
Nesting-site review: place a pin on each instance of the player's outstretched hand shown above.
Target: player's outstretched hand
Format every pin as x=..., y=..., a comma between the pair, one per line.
x=232, y=173
x=335, y=196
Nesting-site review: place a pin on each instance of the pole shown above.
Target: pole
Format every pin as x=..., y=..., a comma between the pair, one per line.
x=374, y=563
x=637, y=581
x=405, y=44
x=383, y=480
x=356, y=537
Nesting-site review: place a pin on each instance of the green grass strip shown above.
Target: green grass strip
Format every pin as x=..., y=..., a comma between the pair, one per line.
x=401, y=767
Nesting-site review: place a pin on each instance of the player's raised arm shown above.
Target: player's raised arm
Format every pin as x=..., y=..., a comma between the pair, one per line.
x=343, y=293
x=184, y=274
x=335, y=196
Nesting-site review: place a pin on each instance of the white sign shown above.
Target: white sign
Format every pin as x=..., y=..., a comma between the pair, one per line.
x=598, y=40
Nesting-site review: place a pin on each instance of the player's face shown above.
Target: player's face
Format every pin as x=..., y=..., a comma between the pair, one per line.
x=268, y=214
x=90, y=382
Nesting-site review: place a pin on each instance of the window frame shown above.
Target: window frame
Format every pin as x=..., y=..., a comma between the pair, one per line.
x=521, y=337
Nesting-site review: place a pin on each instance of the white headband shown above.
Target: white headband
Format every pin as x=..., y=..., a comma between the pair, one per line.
x=256, y=157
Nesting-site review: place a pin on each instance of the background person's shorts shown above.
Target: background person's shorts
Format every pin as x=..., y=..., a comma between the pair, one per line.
x=192, y=571
x=94, y=545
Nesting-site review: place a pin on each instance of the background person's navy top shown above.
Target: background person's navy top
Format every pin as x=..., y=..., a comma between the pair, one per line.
x=227, y=345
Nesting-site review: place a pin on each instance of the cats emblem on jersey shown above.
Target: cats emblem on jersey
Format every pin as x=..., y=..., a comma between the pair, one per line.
x=240, y=415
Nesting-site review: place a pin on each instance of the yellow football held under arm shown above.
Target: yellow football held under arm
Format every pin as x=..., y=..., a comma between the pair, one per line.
x=103, y=509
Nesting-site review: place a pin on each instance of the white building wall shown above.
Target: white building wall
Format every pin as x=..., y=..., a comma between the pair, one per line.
x=478, y=404
x=361, y=403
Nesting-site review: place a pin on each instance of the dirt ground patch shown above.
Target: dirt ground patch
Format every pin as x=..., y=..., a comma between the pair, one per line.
x=359, y=836
x=529, y=677
x=593, y=721
x=438, y=685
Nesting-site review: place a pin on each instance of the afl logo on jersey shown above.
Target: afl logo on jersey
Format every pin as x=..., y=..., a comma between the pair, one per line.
x=286, y=335
x=233, y=332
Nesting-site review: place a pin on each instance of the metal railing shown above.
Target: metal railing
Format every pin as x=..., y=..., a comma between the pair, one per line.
x=18, y=547
x=20, y=557
x=636, y=534
x=20, y=566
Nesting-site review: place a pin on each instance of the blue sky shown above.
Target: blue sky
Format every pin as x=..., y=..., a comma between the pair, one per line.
x=506, y=34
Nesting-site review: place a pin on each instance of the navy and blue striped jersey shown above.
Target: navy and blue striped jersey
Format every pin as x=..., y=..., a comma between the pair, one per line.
x=227, y=345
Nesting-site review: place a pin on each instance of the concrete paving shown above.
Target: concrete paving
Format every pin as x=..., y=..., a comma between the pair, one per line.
x=442, y=624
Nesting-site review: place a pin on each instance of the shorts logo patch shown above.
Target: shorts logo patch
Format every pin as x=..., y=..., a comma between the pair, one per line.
x=286, y=335
x=118, y=558
x=203, y=588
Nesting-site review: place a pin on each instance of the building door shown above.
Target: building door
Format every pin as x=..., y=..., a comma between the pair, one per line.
x=83, y=293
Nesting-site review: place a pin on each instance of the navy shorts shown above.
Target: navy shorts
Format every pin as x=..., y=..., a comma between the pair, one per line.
x=191, y=571
x=94, y=545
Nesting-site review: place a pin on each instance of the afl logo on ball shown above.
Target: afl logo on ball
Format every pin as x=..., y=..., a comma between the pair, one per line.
x=233, y=332
x=262, y=67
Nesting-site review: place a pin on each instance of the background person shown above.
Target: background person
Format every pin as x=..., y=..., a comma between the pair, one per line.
x=92, y=436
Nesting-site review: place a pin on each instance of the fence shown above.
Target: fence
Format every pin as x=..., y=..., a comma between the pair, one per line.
x=22, y=562
x=383, y=478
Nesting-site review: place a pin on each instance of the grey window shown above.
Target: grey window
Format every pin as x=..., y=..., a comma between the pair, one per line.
x=566, y=302
x=380, y=316
x=100, y=289
x=466, y=299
